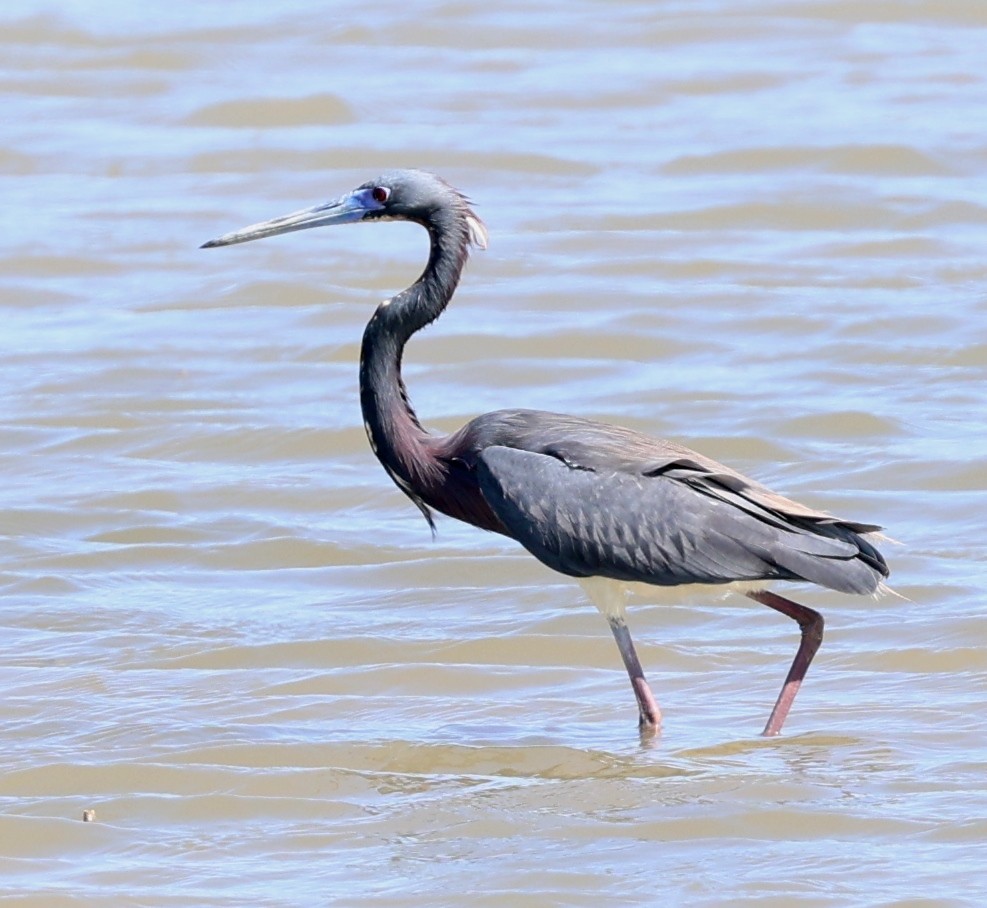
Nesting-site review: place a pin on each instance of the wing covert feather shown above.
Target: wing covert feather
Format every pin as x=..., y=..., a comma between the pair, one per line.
x=674, y=524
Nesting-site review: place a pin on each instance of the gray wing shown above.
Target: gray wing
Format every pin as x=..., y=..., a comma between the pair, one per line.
x=670, y=521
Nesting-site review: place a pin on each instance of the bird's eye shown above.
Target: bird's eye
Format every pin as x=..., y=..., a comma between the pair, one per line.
x=380, y=194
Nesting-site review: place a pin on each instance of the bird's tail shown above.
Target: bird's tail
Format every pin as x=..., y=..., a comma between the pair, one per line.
x=856, y=566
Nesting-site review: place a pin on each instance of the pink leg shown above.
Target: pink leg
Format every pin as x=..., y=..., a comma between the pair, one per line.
x=649, y=713
x=811, y=623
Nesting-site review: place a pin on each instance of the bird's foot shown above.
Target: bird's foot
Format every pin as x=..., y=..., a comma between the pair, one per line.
x=649, y=715
x=649, y=731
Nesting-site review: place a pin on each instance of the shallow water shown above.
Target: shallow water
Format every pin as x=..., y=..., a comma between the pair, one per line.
x=755, y=227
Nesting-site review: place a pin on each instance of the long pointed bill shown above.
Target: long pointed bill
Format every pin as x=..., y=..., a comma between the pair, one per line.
x=351, y=207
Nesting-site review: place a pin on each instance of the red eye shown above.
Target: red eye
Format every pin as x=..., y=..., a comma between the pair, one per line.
x=380, y=194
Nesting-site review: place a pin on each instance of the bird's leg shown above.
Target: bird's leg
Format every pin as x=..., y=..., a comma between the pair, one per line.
x=811, y=624
x=649, y=713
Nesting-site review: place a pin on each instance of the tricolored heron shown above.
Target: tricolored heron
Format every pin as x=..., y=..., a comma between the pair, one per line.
x=601, y=503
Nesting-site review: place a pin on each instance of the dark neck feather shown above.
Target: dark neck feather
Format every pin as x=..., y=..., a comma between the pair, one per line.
x=395, y=433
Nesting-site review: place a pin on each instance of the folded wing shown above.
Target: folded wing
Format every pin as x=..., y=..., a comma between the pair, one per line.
x=668, y=519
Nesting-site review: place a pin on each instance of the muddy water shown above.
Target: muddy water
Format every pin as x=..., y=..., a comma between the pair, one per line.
x=758, y=228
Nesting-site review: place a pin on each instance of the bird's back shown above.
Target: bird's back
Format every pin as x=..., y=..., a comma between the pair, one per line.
x=592, y=499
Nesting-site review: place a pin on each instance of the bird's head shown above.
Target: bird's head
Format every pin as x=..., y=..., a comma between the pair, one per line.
x=407, y=195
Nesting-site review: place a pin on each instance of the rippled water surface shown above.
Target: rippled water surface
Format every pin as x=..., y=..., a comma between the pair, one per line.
x=758, y=228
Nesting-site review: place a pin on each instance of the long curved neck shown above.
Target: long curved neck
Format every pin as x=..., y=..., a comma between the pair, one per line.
x=395, y=434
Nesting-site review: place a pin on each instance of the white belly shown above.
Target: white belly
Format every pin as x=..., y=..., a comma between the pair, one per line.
x=610, y=596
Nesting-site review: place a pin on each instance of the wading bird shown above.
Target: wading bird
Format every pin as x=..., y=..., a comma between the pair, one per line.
x=603, y=504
